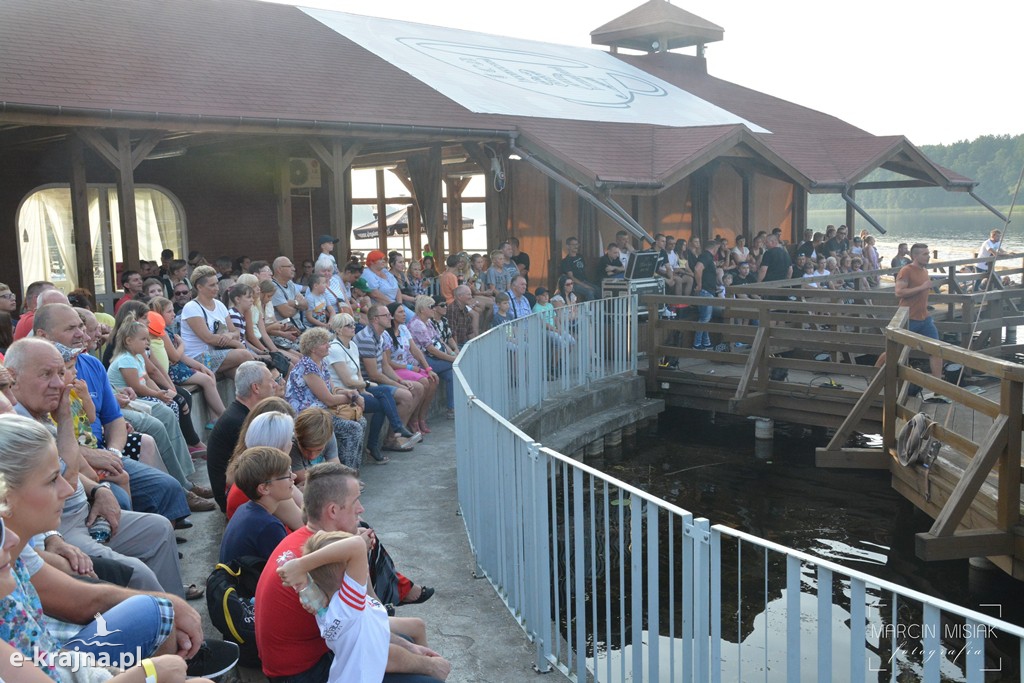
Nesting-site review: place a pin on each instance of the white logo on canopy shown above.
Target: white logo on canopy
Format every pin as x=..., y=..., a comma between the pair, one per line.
x=496, y=75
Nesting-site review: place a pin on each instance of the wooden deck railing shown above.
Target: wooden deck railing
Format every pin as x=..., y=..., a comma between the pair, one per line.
x=989, y=531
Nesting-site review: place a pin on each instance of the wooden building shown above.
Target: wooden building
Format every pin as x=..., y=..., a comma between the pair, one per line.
x=129, y=127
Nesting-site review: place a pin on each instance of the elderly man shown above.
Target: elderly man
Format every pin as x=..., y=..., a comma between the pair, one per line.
x=291, y=647
x=288, y=302
x=151, y=489
x=464, y=315
x=520, y=305
x=253, y=383
x=143, y=541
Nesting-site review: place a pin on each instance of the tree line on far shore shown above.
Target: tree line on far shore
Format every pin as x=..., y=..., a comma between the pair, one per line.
x=994, y=161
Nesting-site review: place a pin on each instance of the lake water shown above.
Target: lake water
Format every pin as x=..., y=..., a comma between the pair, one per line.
x=713, y=467
x=956, y=233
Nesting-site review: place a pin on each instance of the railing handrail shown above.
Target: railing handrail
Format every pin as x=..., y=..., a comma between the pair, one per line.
x=530, y=548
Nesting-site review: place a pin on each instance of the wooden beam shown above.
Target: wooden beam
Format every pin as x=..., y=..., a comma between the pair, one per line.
x=948, y=352
x=852, y=458
x=336, y=198
x=142, y=149
x=963, y=544
x=126, y=201
x=866, y=400
x=974, y=476
x=100, y=145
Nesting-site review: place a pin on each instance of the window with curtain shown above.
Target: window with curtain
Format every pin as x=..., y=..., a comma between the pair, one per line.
x=47, y=244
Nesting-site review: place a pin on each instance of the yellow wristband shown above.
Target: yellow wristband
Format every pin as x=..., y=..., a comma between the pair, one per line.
x=150, y=669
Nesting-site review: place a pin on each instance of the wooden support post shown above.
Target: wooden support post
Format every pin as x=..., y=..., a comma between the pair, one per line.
x=80, y=215
x=285, y=246
x=1008, y=502
x=382, y=214
x=653, y=338
x=963, y=544
x=851, y=214
x=340, y=230
x=126, y=201
x=891, y=370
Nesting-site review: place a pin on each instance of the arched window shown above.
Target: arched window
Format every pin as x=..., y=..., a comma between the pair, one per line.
x=47, y=244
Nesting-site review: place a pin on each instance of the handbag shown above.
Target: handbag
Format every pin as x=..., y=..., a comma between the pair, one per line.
x=349, y=411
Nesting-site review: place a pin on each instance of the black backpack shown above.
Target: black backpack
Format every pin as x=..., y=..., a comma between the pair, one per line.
x=230, y=598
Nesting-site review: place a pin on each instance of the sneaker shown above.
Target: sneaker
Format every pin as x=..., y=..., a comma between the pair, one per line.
x=741, y=345
x=214, y=658
x=197, y=504
x=698, y=347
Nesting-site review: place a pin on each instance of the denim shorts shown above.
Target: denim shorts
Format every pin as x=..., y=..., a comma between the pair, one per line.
x=924, y=327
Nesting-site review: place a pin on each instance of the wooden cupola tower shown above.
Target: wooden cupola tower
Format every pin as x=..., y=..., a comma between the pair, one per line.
x=657, y=26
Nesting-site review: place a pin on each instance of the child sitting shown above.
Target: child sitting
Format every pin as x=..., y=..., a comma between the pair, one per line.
x=264, y=475
x=354, y=624
x=321, y=304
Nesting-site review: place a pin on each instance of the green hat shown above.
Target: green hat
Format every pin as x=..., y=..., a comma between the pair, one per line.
x=361, y=285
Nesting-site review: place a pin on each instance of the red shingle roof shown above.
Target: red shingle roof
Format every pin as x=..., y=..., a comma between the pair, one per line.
x=239, y=58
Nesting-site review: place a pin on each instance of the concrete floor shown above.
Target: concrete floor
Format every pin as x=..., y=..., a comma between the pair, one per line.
x=412, y=504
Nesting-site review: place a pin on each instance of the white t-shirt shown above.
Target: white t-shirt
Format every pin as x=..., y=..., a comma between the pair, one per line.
x=989, y=248
x=194, y=346
x=336, y=353
x=355, y=627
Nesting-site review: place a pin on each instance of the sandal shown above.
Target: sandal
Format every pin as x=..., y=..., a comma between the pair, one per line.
x=425, y=594
x=202, y=491
x=396, y=447
x=423, y=428
x=194, y=592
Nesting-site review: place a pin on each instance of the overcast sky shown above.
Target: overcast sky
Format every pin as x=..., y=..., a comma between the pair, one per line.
x=936, y=72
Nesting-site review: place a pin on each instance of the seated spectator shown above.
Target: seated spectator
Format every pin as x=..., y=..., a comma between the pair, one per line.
x=429, y=269
x=370, y=342
x=167, y=351
x=271, y=423
x=176, y=279
x=354, y=624
x=409, y=363
x=465, y=313
x=439, y=320
x=309, y=384
x=321, y=304
x=382, y=284
x=313, y=442
x=288, y=638
x=264, y=329
x=574, y=266
x=143, y=541
x=438, y=355
x=209, y=335
x=253, y=383
x=381, y=400
x=31, y=302
x=151, y=489
x=449, y=279
x=610, y=265
x=496, y=279
x=29, y=587
x=151, y=288
x=502, y=308
x=131, y=282
x=264, y=475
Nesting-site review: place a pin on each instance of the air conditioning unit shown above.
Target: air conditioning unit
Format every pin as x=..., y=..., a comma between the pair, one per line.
x=304, y=173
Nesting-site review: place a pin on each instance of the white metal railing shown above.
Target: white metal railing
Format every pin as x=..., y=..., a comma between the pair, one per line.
x=613, y=584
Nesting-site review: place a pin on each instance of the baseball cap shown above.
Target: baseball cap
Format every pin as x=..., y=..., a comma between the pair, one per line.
x=541, y=291
x=67, y=353
x=156, y=323
x=324, y=239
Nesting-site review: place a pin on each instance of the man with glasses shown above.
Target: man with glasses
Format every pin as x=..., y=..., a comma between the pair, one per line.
x=288, y=301
x=370, y=343
x=181, y=296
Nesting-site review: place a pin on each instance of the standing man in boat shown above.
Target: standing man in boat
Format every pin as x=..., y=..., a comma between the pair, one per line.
x=913, y=283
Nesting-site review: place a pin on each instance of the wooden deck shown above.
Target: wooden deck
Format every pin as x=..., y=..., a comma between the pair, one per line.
x=826, y=343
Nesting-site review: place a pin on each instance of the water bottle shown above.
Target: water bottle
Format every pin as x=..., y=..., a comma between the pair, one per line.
x=310, y=595
x=100, y=530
